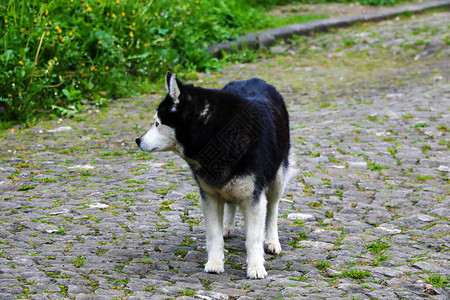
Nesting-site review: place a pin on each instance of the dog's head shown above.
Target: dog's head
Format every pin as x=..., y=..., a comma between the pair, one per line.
x=161, y=137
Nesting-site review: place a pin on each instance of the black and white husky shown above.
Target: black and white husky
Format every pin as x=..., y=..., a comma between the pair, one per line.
x=236, y=142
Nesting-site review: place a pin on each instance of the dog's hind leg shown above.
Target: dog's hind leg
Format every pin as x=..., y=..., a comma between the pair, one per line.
x=228, y=219
x=272, y=243
x=213, y=213
x=254, y=212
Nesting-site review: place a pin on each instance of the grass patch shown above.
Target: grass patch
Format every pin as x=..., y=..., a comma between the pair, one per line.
x=374, y=166
x=322, y=265
x=378, y=247
x=79, y=261
x=438, y=281
x=356, y=273
x=26, y=188
x=423, y=178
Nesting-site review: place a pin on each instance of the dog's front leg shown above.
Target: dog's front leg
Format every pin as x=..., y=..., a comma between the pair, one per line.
x=254, y=217
x=213, y=213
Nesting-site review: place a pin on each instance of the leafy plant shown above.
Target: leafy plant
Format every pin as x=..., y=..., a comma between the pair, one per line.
x=378, y=247
x=322, y=265
x=356, y=273
x=437, y=280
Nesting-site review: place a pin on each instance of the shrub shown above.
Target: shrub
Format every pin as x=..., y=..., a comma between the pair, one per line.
x=58, y=56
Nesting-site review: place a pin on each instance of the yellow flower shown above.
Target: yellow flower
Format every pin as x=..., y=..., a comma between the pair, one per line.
x=146, y=45
x=99, y=42
x=50, y=23
x=6, y=21
x=92, y=68
x=89, y=9
x=133, y=11
x=9, y=96
x=70, y=33
x=184, y=7
x=156, y=14
x=113, y=16
x=55, y=58
x=47, y=33
x=57, y=28
x=46, y=12
x=71, y=1
x=131, y=33
x=63, y=40
x=20, y=62
x=117, y=1
x=106, y=68
x=123, y=14
x=22, y=29
x=49, y=62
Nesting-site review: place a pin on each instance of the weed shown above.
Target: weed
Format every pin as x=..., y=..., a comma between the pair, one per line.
x=374, y=166
x=420, y=125
x=378, y=247
x=422, y=178
x=26, y=188
x=438, y=281
x=356, y=273
x=187, y=292
x=299, y=278
x=322, y=265
x=79, y=261
x=181, y=253
x=407, y=116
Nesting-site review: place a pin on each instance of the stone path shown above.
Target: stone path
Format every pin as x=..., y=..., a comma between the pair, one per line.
x=85, y=215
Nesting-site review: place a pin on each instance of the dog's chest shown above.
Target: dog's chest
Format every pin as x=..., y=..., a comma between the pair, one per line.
x=237, y=190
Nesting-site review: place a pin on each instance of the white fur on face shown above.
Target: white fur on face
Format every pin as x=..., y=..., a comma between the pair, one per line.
x=159, y=138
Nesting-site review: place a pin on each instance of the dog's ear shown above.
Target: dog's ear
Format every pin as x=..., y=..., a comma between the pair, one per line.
x=173, y=89
x=167, y=81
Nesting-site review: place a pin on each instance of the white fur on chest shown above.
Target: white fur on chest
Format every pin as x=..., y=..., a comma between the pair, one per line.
x=236, y=191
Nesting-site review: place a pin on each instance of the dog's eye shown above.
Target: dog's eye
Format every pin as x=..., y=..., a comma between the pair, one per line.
x=156, y=124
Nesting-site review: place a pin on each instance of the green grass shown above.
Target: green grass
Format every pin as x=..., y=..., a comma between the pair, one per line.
x=356, y=273
x=322, y=265
x=59, y=57
x=378, y=247
x=423, y=178
x=26, y=188
x=374, y=166
x=438, y=281
x=79, y=261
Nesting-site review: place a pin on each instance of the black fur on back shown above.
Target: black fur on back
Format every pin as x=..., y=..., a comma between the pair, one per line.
x=242, y=129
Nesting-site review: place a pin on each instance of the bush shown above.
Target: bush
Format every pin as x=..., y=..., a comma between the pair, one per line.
x=67, y=53
x=58, y=56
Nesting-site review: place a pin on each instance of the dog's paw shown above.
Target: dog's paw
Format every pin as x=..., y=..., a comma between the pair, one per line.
x=214, y=267
x=227, y=232
x=256, y=272
x=272, y=247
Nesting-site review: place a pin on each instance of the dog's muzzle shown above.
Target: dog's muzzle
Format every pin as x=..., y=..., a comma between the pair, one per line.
x=138, y=142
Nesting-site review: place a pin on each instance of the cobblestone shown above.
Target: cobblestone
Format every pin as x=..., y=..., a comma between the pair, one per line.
x=85, y=215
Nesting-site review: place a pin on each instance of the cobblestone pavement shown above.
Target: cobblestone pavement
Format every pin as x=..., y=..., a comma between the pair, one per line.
x=85, y=215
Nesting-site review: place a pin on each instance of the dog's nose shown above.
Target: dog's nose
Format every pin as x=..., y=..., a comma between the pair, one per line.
x=138, y=141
